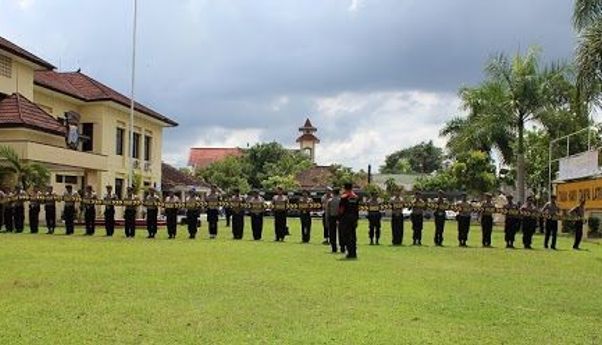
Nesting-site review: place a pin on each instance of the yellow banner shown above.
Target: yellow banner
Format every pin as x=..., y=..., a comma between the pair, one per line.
x=569, y=194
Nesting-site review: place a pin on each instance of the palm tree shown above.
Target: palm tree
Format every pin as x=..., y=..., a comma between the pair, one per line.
x=587, y=19
x=515, y=92
x=24, y=173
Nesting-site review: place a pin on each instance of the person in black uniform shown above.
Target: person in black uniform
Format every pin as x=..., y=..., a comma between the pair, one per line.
x=304, y=208
x=324, y=201
x=213, y=199
x=34, y=210
x=374, y=217
x=397, y=218
x=192, y=213
x=417, y=218
x=109, y=213
x=171, y=214
x=348, y=215
x=550, y=211
x=90, y=210
x=131, y=208
x=279, y=204
x=152, y=211
x=69, y=198
x=50, y=209
x=440, y=208
x=512, y=223
x=238, y=215
x=529, y=222
x=256, y=205
x=487, y=209
x=228, y=213
x=9, y=207
x=464, y=214
x=578, y=212
x=19, y=209
x=332, y=216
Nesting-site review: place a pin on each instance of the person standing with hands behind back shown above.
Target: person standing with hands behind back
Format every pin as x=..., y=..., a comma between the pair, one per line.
x=348, y=215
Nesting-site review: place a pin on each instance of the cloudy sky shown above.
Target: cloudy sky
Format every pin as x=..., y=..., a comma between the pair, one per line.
x=373, y=75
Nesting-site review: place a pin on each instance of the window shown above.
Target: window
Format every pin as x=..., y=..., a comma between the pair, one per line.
x=148, y=142
x=6, y=66
x=88, y=140
x=119, y=141
x=136, y=146
x=70, y=179
x=59, y=178
x=119, y=187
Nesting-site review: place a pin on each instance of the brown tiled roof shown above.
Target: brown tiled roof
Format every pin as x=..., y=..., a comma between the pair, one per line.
x=18, y=111
x=202, y=157
x=85, y=88
x=12, y=48
x=316, y=177
x=308, y=137
x=171, y=177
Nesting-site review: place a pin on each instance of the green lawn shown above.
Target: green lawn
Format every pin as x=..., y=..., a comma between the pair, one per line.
x=79, y=290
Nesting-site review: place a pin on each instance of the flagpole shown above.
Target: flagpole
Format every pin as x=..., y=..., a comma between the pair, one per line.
x=133, y=78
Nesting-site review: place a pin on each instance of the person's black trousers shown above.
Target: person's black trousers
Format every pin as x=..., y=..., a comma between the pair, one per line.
x=578, y=234
x=151, y=221
x=228, y=213
x=332, y=234
x=8, y=218
x=257, y=225
x=192, y=223
x=439, y=227
x=511, y=226
x=529, y=224
x=463, y=229
x=89, y=219
x=551, y=232
x=19, y=214
x=68, y=217
x=130, y=223
x=397, y=229
x=305, y=226
x=487, y=229
x=50, y=211
x=374, y=226
x=348, y=229
x=110, y=220
x=325, y=224
x=212, y=219
x=417, y=224
x=238, y=225
x=280, y=225
x=171, y=218
x=34, y=218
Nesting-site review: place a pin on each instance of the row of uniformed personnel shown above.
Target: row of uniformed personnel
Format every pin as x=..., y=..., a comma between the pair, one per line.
x=14, y=215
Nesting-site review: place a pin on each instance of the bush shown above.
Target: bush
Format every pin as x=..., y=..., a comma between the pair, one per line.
x=594, y=225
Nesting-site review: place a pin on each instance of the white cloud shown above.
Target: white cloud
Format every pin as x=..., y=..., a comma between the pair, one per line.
x=279, y=103
x=25, y=4
x=354, y=5
x=379, y=123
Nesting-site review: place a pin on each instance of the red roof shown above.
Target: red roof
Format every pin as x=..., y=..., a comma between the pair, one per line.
x=202, y=157
x=171, y=177
x=85, y=88
x=308, y=137
x=18, y=111
x=14, y=49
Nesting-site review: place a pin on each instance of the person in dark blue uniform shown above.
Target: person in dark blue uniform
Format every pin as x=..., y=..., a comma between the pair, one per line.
x=348, y=217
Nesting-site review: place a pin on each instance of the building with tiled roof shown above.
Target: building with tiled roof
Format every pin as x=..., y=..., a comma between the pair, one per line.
x=179, y=182
x=202, y=157
x=315, y=179
x=75, y=125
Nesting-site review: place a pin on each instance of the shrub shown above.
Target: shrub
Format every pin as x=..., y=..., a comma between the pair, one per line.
x=594, y=225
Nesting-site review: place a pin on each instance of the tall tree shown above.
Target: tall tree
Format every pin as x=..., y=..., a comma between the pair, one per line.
x=422, y=158
x=587, y=19
x=516, y=91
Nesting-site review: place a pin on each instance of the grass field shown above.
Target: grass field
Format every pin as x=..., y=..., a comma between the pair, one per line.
x=80, y=290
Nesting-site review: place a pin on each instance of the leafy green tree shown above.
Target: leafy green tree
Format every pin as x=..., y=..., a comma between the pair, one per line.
x=441, y=180
x=516, y=91
x=271, y=159
x=422, y=158
x=341, y=174
x=587, y=19
x=287, y=182
x=27, y=174
x=227, y=174
x=474, y=172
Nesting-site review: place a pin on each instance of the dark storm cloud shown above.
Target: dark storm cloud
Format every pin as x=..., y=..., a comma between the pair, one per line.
x=263, y=64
